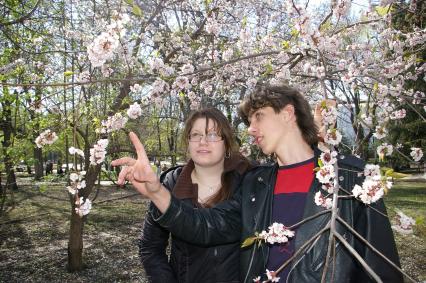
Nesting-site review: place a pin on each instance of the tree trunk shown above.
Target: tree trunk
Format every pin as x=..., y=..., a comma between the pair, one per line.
x=75, y=244
x=38, y=165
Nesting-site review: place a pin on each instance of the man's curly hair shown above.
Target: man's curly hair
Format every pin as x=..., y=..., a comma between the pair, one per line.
x=277, y=97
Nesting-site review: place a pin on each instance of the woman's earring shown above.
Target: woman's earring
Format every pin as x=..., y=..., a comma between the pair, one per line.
x=228, y=154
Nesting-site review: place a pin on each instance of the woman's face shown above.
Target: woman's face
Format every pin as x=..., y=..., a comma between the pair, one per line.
x=205, y=148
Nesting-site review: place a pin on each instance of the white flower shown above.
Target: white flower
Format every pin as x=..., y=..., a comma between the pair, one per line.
x=416, y=153
x=398, y=114
x=72, y=150
x=329, y=115
x=371, y=190
x=333, y=137
x=84, y=207
x=45, y=138
x=277, y=233
x=272, y=275
x=136, y=88
x=74, y=177
x=98, y=152
x=371, y=170
x=182, y=82
x=71, y=190
x=102, y=48
x=380, y=133
x=134, y=111
x=404, y=223
x=325, y=174
x=384, y=150
x=187, y=69
x=245, y=150
x=257, y=279
x=84, y=77
x=113, y=123
x=320, y=200
x=328, y=158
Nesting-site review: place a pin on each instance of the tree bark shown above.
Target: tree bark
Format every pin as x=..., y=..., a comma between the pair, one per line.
x=75, y=243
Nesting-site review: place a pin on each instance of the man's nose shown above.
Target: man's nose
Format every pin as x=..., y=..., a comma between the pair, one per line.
x=252, y=130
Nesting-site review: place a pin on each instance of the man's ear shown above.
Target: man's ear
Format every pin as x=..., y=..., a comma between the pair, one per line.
x=289, y=113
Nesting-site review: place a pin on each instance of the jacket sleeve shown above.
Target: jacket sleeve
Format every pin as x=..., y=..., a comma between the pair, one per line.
x=218, y=225
x=376, y=229
x=152, y=250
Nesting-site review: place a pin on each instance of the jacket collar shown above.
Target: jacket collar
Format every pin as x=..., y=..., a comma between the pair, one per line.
x=184, y=188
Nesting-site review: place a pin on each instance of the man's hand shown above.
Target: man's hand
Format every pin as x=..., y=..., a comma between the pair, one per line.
x=139, y=172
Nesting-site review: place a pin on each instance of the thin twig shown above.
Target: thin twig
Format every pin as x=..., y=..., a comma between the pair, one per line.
x=361, y=238
x=358, y=257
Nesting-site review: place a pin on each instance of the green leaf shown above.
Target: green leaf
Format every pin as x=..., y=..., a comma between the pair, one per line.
x=43, y=188
x=420, y=220
x=248, y=242
x=383, y=10
x=130, y=2
x=316, y=169
x=285, y=44
x=68, y=73
x=320, y=163
x=136, y=10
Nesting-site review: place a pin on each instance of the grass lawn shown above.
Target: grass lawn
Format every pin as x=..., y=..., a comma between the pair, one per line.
x=34, y=234
x=410, y=198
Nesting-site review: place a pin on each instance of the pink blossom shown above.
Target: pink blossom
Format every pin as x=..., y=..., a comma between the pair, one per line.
x=384, y=150
x=102, y=48
x=320, y=200
x=398, y=114
x=83, y=207
x=371, y=170
x=98, y=152
x=272, y=275
x=372, y=190
x=325, y=174
x=416, y=153
x=328, y=158
x=333, y=137
x=277, y=234
x=134, y=111
x=46, y=138
x=182, y=82
x=380, y=132
x=404, y=224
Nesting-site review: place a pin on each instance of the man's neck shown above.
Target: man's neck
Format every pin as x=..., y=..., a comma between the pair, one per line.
x=294, y=150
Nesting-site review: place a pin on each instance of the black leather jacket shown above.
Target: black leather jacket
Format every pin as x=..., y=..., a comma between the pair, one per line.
x=250, y=211
x=188, y=262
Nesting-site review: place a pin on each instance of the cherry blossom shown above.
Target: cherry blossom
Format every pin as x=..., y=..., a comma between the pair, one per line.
x=272, y=275
x=134, y=111
x=113, y=123
x=328, y=158
x=416, y=153
x=102, y=48
x=245, y=150
x=72, y=150
x=320, y=200
x=46, y=138
x=371, y=170
x=404, y=224
x=384, y=150
x=325, y=174
x=277, y=234
x=372, y=190
x=83, y=207
x=333, y=137
x=380, y=132
x=98, y=152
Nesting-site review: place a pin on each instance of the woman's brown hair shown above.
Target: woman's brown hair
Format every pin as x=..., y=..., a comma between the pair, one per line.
x=223, y=129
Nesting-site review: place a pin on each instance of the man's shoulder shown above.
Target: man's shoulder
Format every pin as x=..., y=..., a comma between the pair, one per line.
x=259, y=170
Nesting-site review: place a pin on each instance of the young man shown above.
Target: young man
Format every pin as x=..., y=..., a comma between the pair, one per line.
x=281, y=123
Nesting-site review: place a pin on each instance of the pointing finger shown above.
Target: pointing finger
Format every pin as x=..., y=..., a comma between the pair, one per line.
x=140, y=150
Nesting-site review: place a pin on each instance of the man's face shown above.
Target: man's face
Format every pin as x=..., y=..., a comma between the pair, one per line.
x=267, y=128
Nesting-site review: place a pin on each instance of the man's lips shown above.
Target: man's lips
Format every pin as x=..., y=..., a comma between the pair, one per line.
x=257, y=140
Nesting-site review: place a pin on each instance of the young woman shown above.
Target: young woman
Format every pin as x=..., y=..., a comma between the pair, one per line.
x=211, y=175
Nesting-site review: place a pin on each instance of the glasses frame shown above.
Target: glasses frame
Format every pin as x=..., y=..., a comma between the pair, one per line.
x=205, y=136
